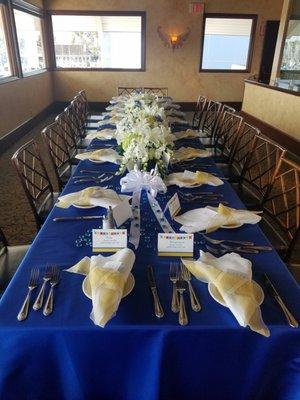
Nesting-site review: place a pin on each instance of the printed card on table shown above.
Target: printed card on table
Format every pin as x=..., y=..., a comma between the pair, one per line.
x=175, y=244
x=109, y=240
x=173, y=205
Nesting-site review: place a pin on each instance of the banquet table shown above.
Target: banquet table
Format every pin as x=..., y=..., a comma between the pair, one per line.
x=138, y=356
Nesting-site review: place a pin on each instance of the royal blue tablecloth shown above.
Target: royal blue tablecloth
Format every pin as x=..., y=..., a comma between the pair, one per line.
x=137, y=356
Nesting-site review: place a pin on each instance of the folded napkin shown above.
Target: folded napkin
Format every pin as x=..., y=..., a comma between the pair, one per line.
x=91, y=196
x=189, y=133
x=188, y=153
x=104, y=134
x=107, y=277
x=103, y=155
x=175, y=113
x=232, y=276
x=176, y=120
x=211, y=218
x=111, y=121
x=189, y=178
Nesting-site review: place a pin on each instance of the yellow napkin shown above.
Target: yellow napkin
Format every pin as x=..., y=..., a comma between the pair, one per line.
x=189, y=133
x=188, y=153
x=104, y=134
x=189, y=178
x=107, y=277
x=232, y=276
x=103, y=155
x=211, y=218
x=93, y=195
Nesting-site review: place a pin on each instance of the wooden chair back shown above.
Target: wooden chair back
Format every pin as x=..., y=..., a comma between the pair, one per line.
x=228, y=134
x=158, y=91
x=244, y=146
x=199, y=112
x=283, y=204
x=262, y=166
x=211, y=117
x=69, y=132
x=34, y=177
x=124, y=91
x=54, y=138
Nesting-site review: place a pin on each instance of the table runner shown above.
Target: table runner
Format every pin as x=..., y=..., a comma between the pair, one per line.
x=138, y=356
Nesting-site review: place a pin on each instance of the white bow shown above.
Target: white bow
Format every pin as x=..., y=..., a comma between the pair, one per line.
x=136, y=181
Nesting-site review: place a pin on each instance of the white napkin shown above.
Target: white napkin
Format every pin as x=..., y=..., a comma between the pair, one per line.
x=175, y=113
x=232, y=276
x=103, y=155
x=107, y=277
x=211, y=218
x=177, y=120
x=111, y=121
x=188, y=153
x=188, y=134
x=90, y=196
x=189, y=178
x=104, y=134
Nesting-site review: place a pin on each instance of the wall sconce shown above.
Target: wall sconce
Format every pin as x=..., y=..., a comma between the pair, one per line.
x=173, y=40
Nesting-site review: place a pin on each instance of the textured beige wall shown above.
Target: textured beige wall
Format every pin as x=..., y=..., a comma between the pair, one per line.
x=279, y=109
x=23, y=99
x=178, y=70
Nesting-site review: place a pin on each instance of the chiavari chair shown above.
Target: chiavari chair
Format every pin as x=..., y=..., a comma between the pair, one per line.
x=199, y=112
x=89, y=117
x=227, y=136
x=211, y=140
x=210, y=120
x=124, y=91
x=10, y=259
x=281, y=218
x=258, y=176
x=55, y=140
x=158, y=91
x=237, y=163
x=35, y=180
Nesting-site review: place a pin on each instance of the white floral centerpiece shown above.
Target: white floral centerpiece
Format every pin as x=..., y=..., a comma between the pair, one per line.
x=143, y=135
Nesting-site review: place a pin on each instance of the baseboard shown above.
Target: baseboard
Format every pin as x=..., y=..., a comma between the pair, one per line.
x=13, y=136
x=280, y=137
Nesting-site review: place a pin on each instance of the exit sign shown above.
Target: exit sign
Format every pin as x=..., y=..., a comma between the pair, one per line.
x=196, y=8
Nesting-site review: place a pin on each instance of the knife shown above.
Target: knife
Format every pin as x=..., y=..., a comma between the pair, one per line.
x=159, y=312
x=61, y=219
x=274, y=293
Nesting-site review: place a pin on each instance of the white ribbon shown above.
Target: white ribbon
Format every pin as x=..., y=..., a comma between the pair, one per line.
x=134, y=182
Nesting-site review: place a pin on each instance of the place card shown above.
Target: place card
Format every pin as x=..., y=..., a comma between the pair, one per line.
x=109, y=240
x=122, y=212
x=175, y=244
x=173, y=205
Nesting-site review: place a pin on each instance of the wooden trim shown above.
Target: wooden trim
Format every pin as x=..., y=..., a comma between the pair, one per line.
x=35, y=72
x=278, y=136
x=13, y=38
x=279, y=89
x=20, y=131
x=8, y=79
x=251, y=44
x=51, y=47
x=29, y=8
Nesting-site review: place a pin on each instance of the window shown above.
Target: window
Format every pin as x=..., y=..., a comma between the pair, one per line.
x=291, y=51
x=30, y=40
x=5, y=68
x=227, y=42
x=98, y=41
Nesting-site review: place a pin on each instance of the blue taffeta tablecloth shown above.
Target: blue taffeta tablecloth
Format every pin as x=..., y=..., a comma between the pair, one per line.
x=137, y=356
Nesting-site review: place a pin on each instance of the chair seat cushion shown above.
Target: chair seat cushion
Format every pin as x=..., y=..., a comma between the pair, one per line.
x=229, y=172
x=248, y=198
x=272, y=231
x=93, y=118
x=9, y=263
x=47, y=207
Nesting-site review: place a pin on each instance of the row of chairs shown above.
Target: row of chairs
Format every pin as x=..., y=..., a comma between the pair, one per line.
x=257, y=168
x=64, y=138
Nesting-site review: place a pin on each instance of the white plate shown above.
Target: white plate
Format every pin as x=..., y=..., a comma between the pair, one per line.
x=129, y=285
x=96, y=161
x=231, y=226
x=215, y=294
x=83, y=207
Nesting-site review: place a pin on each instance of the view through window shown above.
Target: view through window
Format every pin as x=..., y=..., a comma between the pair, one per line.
x=226, y=43
x=97, y=41
x=5, y=69
x=30, y=39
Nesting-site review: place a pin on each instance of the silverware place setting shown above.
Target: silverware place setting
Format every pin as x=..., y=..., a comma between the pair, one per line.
x=174, y=276
x=77, y=218
x=180, y=285
x=221, y=252
x=158, y=310
x=187, y=277
x=51, y=278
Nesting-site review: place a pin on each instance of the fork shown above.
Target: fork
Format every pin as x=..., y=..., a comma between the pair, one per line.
x=183, y=320
x=53, y=282
x=258, y=248
x=219, y=252
x=40, y=297
x=219, y=241
x=186, y=275
x=32, y=284
x=174, y=273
